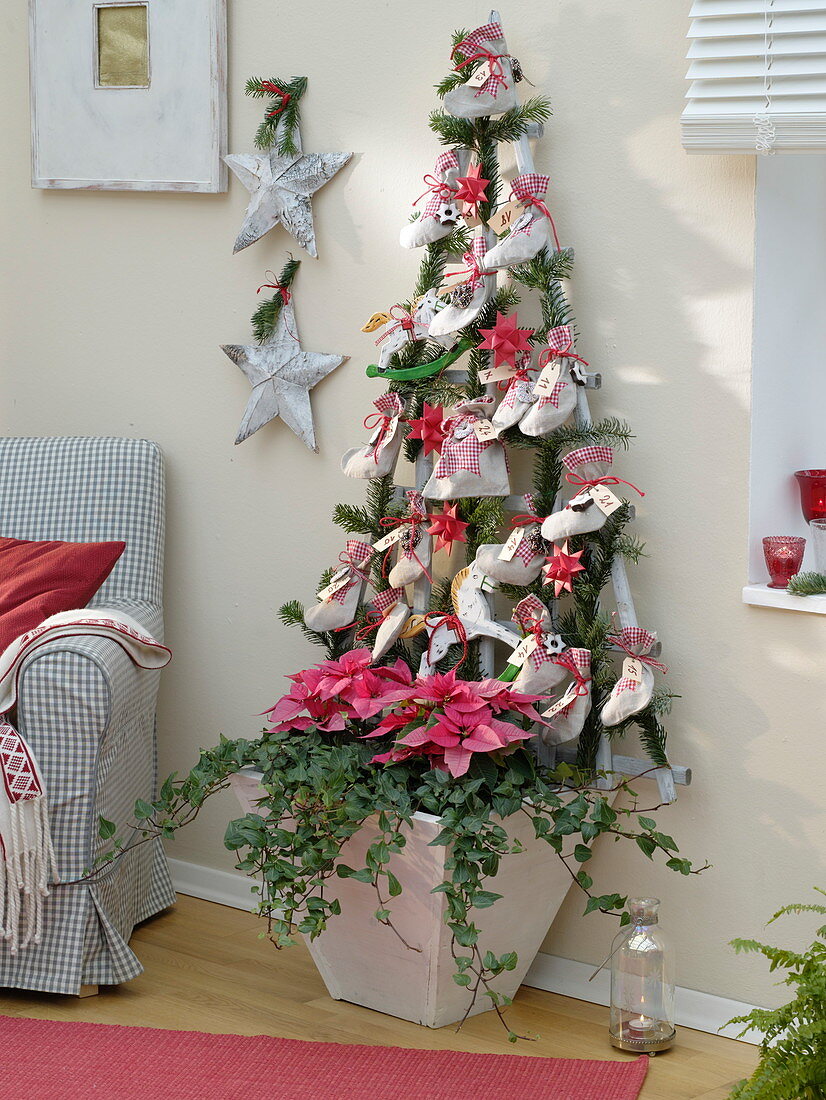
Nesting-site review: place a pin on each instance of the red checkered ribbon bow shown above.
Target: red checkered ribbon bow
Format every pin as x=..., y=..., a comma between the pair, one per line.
x=524, y=375
x=389, y=408
x=525, y=550
x=417, y=515
x=355, y=556
x=279, y=93
x=461, y=448
x=433, y=620
x=532, y=615
x=528, y=189
x=474, y=270
x=438, y=188
x=383, y=603
x=404, y=319
x=578, y=663
x=560, y=340
x=473, y=48
x=593, y=455
x=637, y=642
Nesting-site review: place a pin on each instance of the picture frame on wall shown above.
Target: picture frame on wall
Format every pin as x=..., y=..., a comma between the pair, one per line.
x=128, y=95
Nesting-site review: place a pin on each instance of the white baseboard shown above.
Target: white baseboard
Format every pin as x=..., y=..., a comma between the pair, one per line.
x=701, y=1011
x=224, y=887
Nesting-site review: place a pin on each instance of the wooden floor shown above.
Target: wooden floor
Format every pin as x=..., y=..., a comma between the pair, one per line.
x=207, y=970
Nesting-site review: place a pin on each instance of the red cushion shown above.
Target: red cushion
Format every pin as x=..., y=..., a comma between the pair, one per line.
x=38, y=579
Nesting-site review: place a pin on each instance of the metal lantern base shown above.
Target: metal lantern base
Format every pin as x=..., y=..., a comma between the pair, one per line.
x=643, y=1046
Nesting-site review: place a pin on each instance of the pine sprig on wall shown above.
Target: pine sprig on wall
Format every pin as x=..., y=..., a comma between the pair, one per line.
x=266, y=315
x=280, y=120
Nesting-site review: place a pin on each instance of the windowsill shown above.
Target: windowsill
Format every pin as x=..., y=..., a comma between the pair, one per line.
x=760, y=595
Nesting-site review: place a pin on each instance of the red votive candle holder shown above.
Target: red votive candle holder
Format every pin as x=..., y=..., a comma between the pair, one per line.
x=784, y=556
x=812, y=485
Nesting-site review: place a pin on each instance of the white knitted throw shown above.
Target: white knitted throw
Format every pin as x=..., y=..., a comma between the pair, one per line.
x=27, y=860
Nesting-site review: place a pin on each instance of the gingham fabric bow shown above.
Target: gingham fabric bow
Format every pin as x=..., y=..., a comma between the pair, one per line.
x=560, y=340
x=520, y=385
x=529, y=189
x=637, y=643
x=598, y=457
x=417, y=515
x=474, y=270
x=533, y=617
x=389, y=408
x=355, y=556
x=438, y=188
x=461, y=448
x=383, y=603
x=527, y=550
x=473, y=48
x=578, y=663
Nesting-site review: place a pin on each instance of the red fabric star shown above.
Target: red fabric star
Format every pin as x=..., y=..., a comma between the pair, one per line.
x=448, y=528
x=506, y=339
x=428, y=428
x=471, y=190
x=562, y=568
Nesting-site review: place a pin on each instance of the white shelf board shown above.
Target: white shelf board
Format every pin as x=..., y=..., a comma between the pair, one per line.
x=760, y=595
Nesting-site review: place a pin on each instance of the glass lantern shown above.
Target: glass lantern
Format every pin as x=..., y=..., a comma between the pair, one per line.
x=642, y=982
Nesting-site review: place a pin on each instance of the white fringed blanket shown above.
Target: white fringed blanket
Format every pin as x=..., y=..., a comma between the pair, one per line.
x=27, y=859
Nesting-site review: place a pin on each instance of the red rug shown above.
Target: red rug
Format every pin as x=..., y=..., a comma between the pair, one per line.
x=49, y=1060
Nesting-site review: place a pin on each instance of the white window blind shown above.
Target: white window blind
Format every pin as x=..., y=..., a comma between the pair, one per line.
x=758, y=77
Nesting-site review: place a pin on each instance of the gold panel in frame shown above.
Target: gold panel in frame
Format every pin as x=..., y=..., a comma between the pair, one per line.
x=123, y=46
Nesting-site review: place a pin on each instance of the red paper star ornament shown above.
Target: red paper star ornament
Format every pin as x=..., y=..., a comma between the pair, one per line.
x=448, y=528
x=506, y=340
x=428, y=428
x=562, y=568
x=471, y=190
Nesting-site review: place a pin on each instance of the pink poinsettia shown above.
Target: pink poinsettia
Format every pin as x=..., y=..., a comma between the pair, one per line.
x=330, y=694
x=452, y=719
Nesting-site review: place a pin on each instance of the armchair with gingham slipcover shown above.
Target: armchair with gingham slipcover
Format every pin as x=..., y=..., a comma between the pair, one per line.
x=86, y=710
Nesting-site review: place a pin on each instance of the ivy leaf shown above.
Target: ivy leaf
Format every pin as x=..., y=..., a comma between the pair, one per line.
x=582, y=853
x=143, y=809
x=646, y=845
x=106, y=829
x=393, y=885
x=483, y=899
x=462, y=979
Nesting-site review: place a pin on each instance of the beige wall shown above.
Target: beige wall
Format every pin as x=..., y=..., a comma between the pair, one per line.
x=114, y=306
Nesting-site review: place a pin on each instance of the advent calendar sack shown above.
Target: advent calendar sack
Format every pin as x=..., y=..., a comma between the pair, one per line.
x=633, y=690
x=469, y=466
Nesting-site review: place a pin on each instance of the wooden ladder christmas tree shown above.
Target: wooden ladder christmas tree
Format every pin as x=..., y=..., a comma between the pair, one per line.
x=421, y=367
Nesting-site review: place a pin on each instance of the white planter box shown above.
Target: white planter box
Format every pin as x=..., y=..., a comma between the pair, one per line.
x=364, y=962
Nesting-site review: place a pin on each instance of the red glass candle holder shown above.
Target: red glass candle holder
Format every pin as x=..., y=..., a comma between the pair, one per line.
x=784, y=556
x=812, y=485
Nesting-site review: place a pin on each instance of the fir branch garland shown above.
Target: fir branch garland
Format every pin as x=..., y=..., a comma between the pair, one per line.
x=283, y=115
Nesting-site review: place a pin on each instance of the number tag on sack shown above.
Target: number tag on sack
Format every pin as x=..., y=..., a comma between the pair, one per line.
x=478, y=78
x=505, y=216
x=562, y=703
x=605, y=499
x=387, y=540
x=337, y=582
x=496, y=374
x=632, y=669
x=510, y=547
x=484, y=431
x=548, y=378
x=523, y=651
